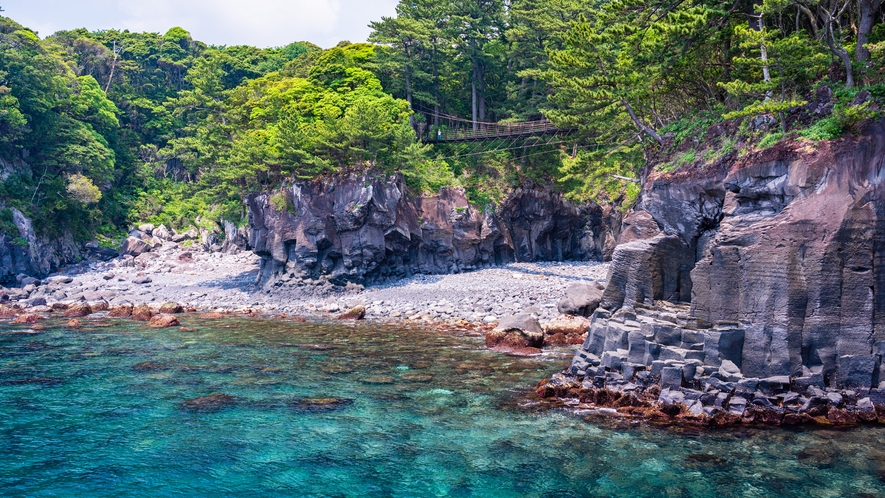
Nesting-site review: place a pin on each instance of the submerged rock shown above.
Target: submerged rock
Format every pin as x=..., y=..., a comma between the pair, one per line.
x=321, y=404
x=161, y=321
x=210, y=403
x=123, y=311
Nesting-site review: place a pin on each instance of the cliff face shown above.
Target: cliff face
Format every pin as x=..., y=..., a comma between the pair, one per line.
x=41, y=256
x=785, y=246
x=368, y=230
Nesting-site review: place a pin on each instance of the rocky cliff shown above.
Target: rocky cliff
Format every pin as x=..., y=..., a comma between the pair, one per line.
x=367, y=229
x=38, y=257
x=777, y=259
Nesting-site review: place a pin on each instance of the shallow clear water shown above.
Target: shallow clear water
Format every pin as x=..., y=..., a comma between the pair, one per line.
x=77, y=420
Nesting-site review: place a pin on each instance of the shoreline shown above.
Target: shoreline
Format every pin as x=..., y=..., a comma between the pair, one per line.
x=226, y=282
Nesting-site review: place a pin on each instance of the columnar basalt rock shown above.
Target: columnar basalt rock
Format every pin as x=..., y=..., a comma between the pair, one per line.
x=776, y=263
x=368, y=229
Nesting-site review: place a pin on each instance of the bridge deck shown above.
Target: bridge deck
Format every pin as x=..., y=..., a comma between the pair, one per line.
x=486, y=131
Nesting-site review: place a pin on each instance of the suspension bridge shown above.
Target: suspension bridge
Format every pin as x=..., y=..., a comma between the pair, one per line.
x=455, y=129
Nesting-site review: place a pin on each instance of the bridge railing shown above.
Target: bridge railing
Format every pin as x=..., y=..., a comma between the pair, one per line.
x=490, y=130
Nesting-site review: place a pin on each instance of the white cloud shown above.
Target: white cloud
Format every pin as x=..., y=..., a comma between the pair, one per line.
x=231, y=22
x=264, y=23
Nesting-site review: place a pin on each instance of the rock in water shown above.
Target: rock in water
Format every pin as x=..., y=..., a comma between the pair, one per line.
x=356, y=313
x=7, y=312
x=210, y=403
x=27, y=318
x=520, y=331
x=161, y=321
x=169, y=308
x=123, y=311
x=581, y=299
x=142, y=313
x=74, y=323
x=212, y=315
x=321, y=404
x=78, y=310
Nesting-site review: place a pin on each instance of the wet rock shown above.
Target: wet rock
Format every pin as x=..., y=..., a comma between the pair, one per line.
x=212, y=315
x=355, y=313
x=378, y=379
x=122, y=311
x=74, y=323
x=210, y=403
x=161, y=321
x=581, y=299
x=8, y=312
x=27, y=318
x=520, y=331
x=321, y=404
x=566, y=329
x=78, y=310
x=169, y=308
x=148, y=366
x=141, y=313
x=100, y=305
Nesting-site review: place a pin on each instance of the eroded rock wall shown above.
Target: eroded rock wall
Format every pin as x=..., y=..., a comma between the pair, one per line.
x=785, y=246
x=39, y=257
x=368, y=229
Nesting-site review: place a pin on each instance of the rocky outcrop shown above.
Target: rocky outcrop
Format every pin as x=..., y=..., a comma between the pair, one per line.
x=27, y=253
x=777, y=261
x=367, y=230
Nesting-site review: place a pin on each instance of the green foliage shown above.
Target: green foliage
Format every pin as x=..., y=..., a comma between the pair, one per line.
x=282, y=201
x=7, y=225
x=770, y=140
x=82, y=189
x=825, y=129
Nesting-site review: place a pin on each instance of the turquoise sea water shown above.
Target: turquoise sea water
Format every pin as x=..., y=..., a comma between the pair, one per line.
x=431, y=415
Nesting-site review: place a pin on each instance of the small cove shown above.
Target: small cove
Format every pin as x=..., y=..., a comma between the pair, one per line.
x=100, y=412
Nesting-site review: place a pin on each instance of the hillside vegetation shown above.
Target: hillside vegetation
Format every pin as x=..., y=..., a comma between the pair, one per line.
x=102, y=129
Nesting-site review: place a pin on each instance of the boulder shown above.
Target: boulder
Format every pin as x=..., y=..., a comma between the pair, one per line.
x=169, y=308
x=27, y=318
x=78, y=310
x=146, y=228
x=142, y=313
x=355, y=313
x=212, y=315
x=134, y=247
x=141, y=278
x=100, y=305
x=162, y=233
x=122, y=311
x=520, y=331
x=161, y=321
x=7, y=312
x=181, y=237
x=581, y=299
x=73, y=323
x=566, y=329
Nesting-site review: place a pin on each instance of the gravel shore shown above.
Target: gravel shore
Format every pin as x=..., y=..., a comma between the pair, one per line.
x=217, y=281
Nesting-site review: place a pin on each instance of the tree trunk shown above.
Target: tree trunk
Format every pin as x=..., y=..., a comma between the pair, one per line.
x=866, y=10
x=639, y=124
x=482, y=93
x=409, y=95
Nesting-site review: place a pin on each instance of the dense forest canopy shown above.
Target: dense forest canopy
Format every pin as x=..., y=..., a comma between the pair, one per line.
x=102, y=129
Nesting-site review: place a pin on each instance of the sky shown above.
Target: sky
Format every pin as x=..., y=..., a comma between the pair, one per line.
x=263, y=23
